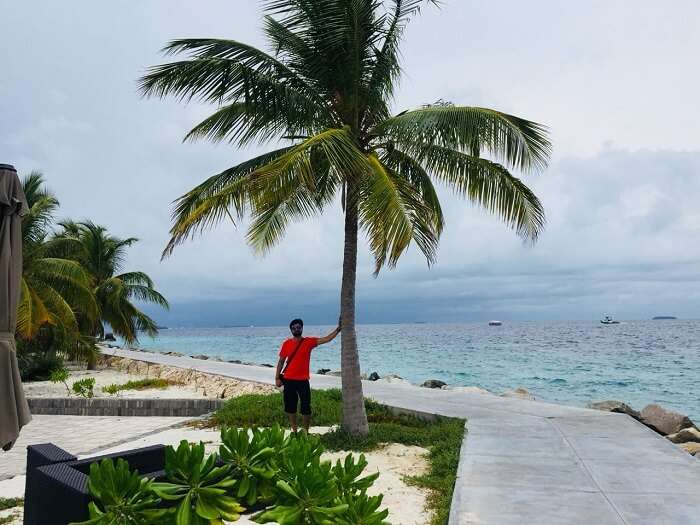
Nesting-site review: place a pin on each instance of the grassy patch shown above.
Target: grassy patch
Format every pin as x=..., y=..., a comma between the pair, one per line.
x=443, y=437
x=140, y=384
x=9, y=503
x=8, y=519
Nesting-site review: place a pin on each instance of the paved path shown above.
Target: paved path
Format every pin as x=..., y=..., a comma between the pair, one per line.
x=79, y=435
x=532, y=462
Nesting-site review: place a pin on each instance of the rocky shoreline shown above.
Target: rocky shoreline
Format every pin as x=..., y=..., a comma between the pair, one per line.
x=674, y=426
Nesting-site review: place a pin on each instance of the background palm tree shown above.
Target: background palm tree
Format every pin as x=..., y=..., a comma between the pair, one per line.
x=326, y=87
x=53, y=289
x=102, y=255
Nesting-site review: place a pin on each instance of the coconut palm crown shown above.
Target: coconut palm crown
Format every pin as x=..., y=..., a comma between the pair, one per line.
x=53, y=288
x=103, y=255
x=326, y=86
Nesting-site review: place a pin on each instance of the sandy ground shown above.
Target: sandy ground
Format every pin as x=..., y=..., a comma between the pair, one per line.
x=393, y=462
x=119, y=371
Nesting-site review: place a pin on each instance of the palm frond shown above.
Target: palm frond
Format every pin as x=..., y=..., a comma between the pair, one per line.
x=145, y=294
x=393, y=214
x=518, y=142
x=215, y=199
x=490, y=185
x=287, y=188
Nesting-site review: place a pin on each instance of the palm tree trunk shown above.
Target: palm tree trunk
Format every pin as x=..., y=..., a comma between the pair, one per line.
x=354, y=416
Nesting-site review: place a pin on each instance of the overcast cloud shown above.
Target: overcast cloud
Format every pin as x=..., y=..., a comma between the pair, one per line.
x=616, y=81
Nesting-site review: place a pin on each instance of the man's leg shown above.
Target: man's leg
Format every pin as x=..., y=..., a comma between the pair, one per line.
x=291, y=398
x=305, y=397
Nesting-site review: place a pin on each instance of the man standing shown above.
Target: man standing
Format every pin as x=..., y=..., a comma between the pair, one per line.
x=294, y=375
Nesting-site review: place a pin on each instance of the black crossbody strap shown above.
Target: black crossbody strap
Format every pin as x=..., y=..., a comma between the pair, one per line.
x=289, y=359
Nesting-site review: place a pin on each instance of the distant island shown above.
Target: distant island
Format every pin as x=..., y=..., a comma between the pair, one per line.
x=663, y=317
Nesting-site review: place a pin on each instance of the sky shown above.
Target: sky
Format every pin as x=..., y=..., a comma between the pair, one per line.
x=615, y=81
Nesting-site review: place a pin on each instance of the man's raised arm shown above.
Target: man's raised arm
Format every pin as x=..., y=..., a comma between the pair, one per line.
x=329, y=337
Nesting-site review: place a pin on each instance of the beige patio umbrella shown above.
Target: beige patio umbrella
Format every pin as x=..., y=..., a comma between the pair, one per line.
x=14, y=411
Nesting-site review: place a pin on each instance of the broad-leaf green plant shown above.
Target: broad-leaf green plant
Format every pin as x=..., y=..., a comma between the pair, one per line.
x=85, y=387
x=251, y=455
x=347, y=475
x=309, y=497
x=299, y=453
x=198, y=485
x=362, y=510
x=121, y=497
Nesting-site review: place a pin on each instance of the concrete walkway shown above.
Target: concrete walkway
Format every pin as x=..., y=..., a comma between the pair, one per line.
x=79, y=435
x=532, y=462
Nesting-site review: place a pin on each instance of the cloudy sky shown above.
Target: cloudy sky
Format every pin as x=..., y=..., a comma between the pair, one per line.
x=616, y=81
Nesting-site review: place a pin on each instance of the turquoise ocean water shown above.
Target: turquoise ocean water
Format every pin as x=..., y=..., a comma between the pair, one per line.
x=569, y=362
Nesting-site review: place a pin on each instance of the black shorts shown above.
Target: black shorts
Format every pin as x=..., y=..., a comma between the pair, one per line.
x=295, y=391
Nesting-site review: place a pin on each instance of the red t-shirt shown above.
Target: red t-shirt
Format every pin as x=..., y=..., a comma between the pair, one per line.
x=299, y=367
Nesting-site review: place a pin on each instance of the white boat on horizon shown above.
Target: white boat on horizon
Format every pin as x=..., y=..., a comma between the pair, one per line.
x=607, y=319
x=495, y=323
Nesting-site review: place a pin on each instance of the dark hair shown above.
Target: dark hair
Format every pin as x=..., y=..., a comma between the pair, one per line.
x=296, y=321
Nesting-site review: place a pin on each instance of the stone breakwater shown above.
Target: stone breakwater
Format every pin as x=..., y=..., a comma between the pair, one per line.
x=676, y=427
x=210, y=385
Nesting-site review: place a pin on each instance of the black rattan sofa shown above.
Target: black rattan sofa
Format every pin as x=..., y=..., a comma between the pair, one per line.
x=56, y=490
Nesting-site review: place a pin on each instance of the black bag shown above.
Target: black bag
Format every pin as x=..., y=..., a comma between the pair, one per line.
x=289, y=360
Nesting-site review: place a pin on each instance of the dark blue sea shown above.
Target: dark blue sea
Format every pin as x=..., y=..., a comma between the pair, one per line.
x=570, y=362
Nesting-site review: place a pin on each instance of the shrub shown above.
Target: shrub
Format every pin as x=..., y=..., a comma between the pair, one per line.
x=253, y=410
x=37, y=366
x=121, y=496
x=252, y=460
x=61, y=375
x=198, y=485
x=140, y=384
x=85, y=387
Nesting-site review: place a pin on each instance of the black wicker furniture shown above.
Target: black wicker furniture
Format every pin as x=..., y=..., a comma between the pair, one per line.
x=56, y=490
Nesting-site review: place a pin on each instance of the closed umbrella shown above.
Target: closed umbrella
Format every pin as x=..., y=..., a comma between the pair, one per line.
x=14, y=411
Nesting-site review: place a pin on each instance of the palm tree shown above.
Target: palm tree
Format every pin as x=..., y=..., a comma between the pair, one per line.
x=326, y=86
x=102, y=255
x=54, y=290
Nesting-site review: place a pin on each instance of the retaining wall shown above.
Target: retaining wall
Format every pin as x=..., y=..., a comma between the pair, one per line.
x=103, y=406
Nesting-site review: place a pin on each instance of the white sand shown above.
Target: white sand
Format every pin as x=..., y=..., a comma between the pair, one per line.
x=119, y=371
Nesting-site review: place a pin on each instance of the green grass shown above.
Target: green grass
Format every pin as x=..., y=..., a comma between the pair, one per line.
x=442, y=437
x=8, y=503
x=140, y=384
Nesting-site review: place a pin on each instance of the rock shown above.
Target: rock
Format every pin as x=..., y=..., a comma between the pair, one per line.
x=200, y=356
x=468, y=389
x=323, y=371
x=615, y=406
x=218, y=359
x=691, y=448
x=433, y=383
x=109, y=337
x=267, y=365
x=374, y=376
x=336, y=373
x=664, y=421
x=235, y=361
x=687, y=435
x=176, y=354
x=520, y=393
x=393, y=379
